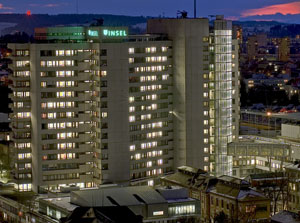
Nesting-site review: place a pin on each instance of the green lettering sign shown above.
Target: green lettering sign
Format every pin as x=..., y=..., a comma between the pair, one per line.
x=93, y=33
x=114, y=33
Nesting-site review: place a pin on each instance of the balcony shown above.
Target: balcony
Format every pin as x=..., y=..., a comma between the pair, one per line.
x=84, y=66
x=16, y=98
x=86, y=157
x=84, y=97
x=85, y=168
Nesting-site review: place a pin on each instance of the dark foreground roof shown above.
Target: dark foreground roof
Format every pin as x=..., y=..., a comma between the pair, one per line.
x=285, y=217
x=117, y=214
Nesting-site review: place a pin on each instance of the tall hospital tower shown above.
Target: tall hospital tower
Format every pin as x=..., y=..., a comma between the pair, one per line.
x=95, y=105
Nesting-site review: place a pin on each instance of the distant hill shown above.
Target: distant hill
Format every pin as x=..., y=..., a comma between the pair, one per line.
x=11, y=23
x=25, y=23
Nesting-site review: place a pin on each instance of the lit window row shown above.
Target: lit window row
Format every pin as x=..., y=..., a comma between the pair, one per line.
x=62, y=125
x=24, y=187
x=22, y=156
x=65, y=84
x=148, y=145
x=22, y=52
x=65, y=145
x=22, y=63
x=152, y=125
x=148, y=78
x=65, y=156
x=151, y=135
x=23, y=114
x=154, y=172
x=22, y=145
x=144, y=98
x=53, y=115
x=146, y=117
x=150, y=69
x=151, y=87
x=23, y=166
x=22, y=73
x=67, y=73
x=150, y=49
x=65, y=94
x=182, y=210
x=49, y=105
x=22, y=94
x=65, y=52
x=57, y=63
x=156, y=59
x=147, y=155
x=66, y=135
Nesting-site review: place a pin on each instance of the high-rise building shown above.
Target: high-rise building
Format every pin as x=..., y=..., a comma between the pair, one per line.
x=93, y=105
x=203, y=93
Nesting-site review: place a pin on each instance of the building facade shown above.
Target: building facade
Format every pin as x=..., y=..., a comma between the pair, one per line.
x=90, y=105
x=203, y=90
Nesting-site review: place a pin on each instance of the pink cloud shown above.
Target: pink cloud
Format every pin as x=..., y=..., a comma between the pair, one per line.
x=288, y=8
x=4, y=7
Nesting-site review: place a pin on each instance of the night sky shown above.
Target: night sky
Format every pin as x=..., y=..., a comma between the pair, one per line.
x=232, y=9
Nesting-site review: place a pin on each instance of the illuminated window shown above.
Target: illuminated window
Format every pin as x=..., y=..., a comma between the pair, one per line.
x=131, y=60
x=43, y=84
x=131, y=50
x=149, y=164
x=131, y=109
x=103, y=114
x=132, y=148
x=131, y=99
x=131, y=118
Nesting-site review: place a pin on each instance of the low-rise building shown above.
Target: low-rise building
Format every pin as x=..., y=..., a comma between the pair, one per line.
x=232, y=196
x=273, y=185
x=163, y=204
x=293, y=174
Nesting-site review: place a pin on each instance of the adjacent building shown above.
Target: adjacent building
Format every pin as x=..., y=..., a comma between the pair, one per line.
x=204, y=122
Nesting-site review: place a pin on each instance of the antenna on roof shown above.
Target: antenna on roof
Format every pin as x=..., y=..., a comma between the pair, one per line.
x=195, y=8
x=77, y=7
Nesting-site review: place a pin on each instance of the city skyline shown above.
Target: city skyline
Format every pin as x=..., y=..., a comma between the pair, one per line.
x=280, y=10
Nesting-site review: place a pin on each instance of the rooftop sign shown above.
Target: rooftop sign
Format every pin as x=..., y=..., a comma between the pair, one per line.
x=114, y=32
x=93, y=33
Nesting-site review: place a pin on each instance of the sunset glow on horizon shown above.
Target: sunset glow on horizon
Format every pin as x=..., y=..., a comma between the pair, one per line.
x=288, y=8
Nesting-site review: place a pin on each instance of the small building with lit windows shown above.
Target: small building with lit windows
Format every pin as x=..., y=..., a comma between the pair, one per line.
x=167, y=204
